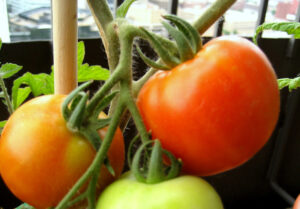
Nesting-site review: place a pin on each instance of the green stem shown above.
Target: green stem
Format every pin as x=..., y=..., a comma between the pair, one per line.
x=99, y=158
x=6, y=96
x=107, y=86
x=103, y=18
x=137, y=119
x=212, y=14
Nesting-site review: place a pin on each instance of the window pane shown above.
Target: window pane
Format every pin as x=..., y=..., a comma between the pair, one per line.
x=147, y=13
x=241, y=18
x=191, y=9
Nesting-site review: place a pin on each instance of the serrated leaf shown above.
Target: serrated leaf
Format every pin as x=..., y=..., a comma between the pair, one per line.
x=292, y=84
x=123, y=8
x=87, y=73
x=80, y=53
x=7, y=70
x=40, y=84
x=283, y=82
x=291, y=28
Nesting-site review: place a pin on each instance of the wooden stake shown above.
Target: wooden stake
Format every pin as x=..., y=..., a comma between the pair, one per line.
x=64, y=23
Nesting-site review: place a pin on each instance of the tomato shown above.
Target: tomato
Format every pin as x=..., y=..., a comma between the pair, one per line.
x=216, y=110
x=188, y=192
x=297, y=203
x=40, y=159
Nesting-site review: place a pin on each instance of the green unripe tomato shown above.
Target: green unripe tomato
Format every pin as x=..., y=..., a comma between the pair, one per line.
x=188, y=192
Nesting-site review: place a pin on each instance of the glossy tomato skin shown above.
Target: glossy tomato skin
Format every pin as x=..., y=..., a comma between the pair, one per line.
x=216, y=110
x=186, y=192
x=40, y=159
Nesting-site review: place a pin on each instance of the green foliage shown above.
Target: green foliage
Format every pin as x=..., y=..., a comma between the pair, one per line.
x=123, y=9
x=86, y=72
x=7, y=70
x=42, y=83
x=0, y=43
x=291, y=28
x=291, y=83
x=37, y=84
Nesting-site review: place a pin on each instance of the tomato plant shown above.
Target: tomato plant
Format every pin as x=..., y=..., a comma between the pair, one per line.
x=40, y=159
x=187, y=192
x=216, y=110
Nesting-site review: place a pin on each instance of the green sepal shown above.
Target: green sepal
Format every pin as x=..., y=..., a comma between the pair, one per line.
x=109, y=167
x=77, y=115
x=103, y=104
x=66, y=112
x=153, y=169
x=188, y=30
x=175, y=167
x=123, y=8
x=92, y=136
x=150, y=62
x=130, y=149
x=101, y=123
x=184, y=47
x=162, y=52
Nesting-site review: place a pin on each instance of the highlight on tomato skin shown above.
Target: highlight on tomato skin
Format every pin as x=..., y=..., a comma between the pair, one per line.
x=40, y=159
x=215, y=111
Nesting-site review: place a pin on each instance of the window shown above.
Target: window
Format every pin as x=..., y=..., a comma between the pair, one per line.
x=31, y=19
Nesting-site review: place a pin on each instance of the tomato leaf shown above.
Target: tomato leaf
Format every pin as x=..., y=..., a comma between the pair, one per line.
x=123, y=8
x=291, y=28
x=7, y=70
x=23, y=93
x=291, y=83
x=39, y=84
x=94, y=72
x=80, y=53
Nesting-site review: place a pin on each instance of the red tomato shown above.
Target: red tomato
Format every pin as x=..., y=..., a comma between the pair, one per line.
x=40, y=159
x=297, y=203
x=216, y=110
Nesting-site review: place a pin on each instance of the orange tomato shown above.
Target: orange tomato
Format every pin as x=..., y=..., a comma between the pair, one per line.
x=40, y=159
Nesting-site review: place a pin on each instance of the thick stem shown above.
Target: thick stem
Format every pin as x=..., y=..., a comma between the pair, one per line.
x=6, y=96
x=212, y=14
x=103, y=17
